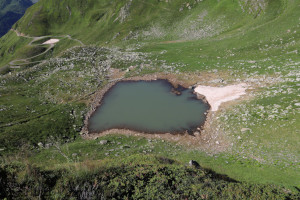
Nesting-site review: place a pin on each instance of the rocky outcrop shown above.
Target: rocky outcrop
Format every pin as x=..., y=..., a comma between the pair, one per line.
x=253, y=7
x=124, y=12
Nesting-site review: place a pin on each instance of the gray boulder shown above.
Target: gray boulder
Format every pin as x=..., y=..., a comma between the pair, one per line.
x=103, y=142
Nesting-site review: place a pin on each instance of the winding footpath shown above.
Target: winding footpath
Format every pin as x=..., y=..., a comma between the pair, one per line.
x=25, y=61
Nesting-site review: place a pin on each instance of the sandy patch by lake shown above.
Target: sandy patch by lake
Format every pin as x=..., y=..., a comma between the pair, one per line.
x=51, y=41
x=218, y=95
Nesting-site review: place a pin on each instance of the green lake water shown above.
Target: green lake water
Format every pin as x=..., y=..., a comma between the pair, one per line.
x=148, y=106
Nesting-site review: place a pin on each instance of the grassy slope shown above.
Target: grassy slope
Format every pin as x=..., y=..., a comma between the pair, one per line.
x=95, y=21
x=121, y=146
x=98, y=22
x=133, y=177
x=229, y=39
x=10, y=47
x=243, y=43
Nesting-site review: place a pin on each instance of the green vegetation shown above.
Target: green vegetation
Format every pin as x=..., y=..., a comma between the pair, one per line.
x=95, y=20
x=135, y=177
x=119, y=146
x=254, y=141
x=11, y=46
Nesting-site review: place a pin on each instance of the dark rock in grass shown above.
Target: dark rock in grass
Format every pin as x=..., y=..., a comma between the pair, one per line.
x=125, y=147
x=193, y=163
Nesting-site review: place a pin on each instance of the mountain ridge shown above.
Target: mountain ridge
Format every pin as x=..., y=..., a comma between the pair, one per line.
x=10, y=12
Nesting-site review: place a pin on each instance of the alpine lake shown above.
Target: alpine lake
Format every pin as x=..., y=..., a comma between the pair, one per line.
x=149, y=107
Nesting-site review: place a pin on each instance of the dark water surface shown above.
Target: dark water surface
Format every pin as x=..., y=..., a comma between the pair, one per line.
x=148, y=106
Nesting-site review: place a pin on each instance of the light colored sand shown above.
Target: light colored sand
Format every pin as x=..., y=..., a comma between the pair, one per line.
x=51, y=41
x=217, y=95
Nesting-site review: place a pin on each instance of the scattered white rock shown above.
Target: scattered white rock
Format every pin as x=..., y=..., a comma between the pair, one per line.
x=197, y=133
x=245, y=129
x=219, y=80
x=103, y=142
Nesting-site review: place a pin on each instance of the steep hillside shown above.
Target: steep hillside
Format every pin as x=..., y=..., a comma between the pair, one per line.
x=117, y=22
x=46, y=90
x=95, y=21
x=10, y=12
